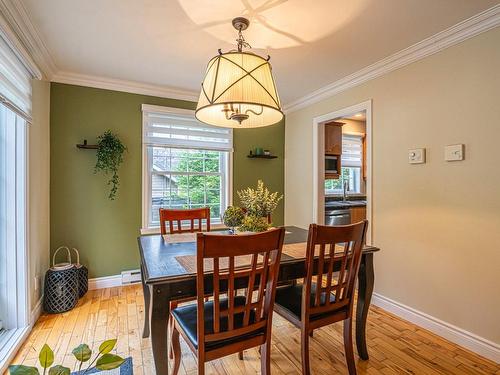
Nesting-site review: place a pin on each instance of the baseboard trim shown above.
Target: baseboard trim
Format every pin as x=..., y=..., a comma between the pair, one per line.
x=36, y=312
x=459, y=336
x=105, y=282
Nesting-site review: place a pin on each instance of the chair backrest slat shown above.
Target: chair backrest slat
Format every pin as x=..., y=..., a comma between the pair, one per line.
x=230, y=294
x=249, y=292
x=175, y=217
x=216, y=296
x=336, y=269
x=263, y=270
x=331, y=261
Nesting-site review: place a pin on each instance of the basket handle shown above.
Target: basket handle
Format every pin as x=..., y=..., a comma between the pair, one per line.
x=55, y=253
x=77, y=255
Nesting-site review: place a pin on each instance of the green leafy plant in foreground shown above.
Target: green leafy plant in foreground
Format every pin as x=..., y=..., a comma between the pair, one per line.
x=103, y=360
x=109, y=157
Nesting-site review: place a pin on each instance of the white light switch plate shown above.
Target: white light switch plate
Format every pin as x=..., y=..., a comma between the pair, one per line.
x=454, y=152
x=416, y=156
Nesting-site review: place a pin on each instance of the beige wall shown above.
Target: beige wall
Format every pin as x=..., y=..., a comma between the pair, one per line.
x=438, y=224
x=38, y=189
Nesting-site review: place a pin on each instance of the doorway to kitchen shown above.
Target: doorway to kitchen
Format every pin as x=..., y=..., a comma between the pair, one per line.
x=342, y=166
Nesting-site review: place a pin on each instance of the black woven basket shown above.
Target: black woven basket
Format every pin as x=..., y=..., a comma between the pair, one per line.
x=61, y=286
x=82, y=273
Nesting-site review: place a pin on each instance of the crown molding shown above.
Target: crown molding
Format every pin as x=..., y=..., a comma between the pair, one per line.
x=124, y=86
x=464, y=30
x=27, y=34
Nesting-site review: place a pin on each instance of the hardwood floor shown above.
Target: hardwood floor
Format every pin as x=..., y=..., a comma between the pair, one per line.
x=395, y=346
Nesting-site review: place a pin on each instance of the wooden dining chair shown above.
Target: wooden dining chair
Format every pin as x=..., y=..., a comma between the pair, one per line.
x=230, y=324
x=334, y=255
x=176, y=217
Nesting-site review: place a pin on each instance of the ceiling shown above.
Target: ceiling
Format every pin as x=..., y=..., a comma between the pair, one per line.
x=169, y=42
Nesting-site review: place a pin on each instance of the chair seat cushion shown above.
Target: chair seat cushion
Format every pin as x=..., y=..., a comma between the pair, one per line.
x=186, y=316
x=290, y=298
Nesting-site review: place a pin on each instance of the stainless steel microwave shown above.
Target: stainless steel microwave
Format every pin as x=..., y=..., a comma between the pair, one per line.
x=331, y=164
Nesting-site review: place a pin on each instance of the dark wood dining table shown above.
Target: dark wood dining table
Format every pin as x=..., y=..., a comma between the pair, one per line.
x=164, y=279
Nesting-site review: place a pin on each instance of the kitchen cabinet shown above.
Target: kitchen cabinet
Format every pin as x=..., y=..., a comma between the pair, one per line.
x=358, y=214
x=333, y=149
x=333, y=138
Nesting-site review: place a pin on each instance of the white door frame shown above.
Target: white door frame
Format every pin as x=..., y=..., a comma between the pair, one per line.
x=319, y=162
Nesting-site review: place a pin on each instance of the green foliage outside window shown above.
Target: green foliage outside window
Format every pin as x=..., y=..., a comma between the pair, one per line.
x=199, y=190
x=198, y=182
x=336, y=185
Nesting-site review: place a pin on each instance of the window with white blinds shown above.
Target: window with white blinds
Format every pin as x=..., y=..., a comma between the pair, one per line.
x=351, y=171
x=186, y=164
x=15, y=112
x=180, y=129
x=352, y=150
x=15, y=82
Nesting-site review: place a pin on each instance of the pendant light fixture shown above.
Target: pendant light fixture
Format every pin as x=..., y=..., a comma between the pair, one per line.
x=239, y=90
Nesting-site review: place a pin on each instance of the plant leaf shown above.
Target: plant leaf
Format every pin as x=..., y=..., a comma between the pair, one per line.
x=46, y=356
x=107, y=346
x=59, y=370
x=82, y=352
x=109, y=362
x=23, y=370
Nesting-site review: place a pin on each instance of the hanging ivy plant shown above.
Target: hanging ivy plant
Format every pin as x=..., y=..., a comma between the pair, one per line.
x=109, y=157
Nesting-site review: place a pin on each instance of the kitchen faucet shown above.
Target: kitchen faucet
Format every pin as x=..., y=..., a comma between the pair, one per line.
x=345, y=188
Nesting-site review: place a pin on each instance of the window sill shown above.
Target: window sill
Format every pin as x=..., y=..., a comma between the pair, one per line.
x=148, y=231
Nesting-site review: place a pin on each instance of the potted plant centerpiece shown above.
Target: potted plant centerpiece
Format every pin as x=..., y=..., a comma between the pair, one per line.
x=233, y=217
x=258, y=205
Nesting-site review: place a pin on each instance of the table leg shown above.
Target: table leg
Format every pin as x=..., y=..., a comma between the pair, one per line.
x=147, y=305
x=366, y=279
x=159, y=329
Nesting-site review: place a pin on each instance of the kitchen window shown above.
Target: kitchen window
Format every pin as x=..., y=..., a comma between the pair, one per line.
x=186, y=164
x=352, y=164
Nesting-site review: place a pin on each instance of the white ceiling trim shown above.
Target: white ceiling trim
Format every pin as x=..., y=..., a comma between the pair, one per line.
x=27, y=34
x=466, y=29
x=124, y=86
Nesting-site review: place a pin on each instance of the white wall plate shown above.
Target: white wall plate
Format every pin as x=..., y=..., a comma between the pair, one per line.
x=454, y=152
x=416, y=156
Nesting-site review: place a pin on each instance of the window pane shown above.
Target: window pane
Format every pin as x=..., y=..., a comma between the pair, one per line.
x=12, y=185
x=186, y=178
x=161, y=159
x=213, y=182
x=196, y=163
x=350, y=174
x=196, y=190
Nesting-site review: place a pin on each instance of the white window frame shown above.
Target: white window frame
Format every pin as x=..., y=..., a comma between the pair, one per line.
x=16, y=325
x=362, y=189
x=227, y=194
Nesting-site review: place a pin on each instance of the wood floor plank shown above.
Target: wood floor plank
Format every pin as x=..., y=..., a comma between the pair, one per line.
x=395, y=345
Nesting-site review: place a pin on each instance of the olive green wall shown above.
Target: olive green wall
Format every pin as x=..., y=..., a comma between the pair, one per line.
x=81, y=215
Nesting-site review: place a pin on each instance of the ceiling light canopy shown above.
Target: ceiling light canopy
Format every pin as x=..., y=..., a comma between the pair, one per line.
x=239, y=90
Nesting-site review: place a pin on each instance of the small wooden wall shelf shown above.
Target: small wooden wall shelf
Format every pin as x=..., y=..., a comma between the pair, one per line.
x=86, y=146
x=253, y=156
